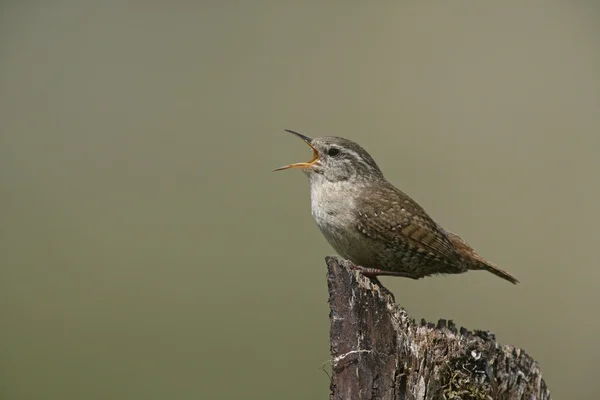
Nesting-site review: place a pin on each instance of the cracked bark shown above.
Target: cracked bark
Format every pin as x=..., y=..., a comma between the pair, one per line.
x=379, y=352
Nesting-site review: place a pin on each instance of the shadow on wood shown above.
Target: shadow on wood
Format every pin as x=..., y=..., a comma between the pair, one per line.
x=379, y=352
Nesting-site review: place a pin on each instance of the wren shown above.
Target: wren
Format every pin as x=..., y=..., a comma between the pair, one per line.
x=376, y=226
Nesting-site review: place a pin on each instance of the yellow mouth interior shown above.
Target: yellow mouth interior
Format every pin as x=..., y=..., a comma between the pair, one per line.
x=314, y=159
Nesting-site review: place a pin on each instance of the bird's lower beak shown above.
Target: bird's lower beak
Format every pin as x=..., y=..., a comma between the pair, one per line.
x=314, y=159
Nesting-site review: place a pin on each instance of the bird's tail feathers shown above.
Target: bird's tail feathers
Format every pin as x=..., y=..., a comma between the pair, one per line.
x=474, y=261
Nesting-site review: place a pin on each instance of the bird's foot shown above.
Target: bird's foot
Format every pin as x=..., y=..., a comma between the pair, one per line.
x=372, y=274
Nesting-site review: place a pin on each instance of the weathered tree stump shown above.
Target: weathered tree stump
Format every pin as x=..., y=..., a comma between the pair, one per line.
x=379, y=352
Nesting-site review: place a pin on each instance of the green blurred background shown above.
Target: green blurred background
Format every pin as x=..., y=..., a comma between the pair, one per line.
x=148, y=252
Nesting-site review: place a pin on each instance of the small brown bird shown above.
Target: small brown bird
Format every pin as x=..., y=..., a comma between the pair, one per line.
x=375, y=225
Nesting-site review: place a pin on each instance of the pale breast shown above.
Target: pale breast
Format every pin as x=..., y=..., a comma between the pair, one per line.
x=332, y=206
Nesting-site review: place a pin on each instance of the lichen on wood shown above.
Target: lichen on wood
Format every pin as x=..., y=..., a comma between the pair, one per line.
x=379, y=352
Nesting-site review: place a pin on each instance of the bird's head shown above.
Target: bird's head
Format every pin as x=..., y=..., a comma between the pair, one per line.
x=336, y=159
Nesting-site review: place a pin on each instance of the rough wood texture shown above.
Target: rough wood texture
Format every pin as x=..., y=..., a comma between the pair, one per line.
x=379, y=352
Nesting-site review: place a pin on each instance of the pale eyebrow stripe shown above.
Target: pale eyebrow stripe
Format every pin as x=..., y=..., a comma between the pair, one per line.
x=359, y=158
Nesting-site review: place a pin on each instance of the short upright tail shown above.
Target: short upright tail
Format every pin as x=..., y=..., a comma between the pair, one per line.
x=474, y=261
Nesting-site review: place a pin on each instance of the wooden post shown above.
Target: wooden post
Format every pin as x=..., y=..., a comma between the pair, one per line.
x=379, y=352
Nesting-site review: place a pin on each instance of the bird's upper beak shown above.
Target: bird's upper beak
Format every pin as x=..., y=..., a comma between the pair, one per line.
x=314, y=159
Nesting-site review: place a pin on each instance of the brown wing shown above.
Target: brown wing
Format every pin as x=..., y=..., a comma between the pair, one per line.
x=392, y=216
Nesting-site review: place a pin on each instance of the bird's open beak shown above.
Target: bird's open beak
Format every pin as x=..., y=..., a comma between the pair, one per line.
x=314, y=159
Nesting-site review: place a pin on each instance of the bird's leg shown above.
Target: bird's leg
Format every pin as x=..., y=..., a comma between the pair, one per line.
x=374, y=272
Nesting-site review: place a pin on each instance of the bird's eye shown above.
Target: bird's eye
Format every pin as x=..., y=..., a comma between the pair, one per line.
x=332, y=152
